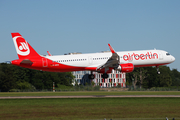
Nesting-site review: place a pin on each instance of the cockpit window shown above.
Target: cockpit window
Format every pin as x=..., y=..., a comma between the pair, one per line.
x=167, y=54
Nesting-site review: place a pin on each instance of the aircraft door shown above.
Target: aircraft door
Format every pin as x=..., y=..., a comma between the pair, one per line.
x=90, y=60
x=160, y=56
x=44, y=62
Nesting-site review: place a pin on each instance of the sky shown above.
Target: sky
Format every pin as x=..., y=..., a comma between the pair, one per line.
x=87, y=26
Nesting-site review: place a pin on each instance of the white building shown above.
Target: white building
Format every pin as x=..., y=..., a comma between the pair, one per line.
x=115, y=78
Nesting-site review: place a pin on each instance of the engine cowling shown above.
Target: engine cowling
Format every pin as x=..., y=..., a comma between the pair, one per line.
x=128, y=67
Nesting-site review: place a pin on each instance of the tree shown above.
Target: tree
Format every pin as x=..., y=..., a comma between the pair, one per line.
x=152, y=79
x=147, y=77
x=142, y=75
x=7, y=80
x=165, y=79
x=175, y=75
x=25, y=86
x=14, y=77
x=133, y=77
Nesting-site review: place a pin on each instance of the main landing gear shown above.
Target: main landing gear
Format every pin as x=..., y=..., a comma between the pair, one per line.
x=91, y=76
x=158, y=72
x=104, y=75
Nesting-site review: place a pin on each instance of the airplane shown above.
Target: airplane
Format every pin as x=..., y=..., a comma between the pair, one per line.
x=103, y=62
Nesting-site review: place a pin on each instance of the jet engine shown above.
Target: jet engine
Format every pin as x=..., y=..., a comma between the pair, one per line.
x=128, y=67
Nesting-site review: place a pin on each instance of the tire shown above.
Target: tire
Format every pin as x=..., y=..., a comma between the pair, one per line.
x=91, y=76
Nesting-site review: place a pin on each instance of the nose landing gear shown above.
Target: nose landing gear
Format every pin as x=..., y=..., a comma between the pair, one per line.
x=158, y=72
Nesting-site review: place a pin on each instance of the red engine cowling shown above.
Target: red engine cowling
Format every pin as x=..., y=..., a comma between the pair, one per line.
x=128, y=67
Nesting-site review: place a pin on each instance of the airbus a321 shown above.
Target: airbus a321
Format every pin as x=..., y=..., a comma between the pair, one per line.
x=99, y=62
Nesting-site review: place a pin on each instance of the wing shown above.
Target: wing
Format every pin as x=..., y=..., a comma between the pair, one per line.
x=112, y=62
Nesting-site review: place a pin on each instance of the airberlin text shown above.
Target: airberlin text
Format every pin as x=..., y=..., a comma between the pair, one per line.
x=148, y=55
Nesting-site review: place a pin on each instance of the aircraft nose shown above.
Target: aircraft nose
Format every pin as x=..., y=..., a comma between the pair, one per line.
x=173, y=58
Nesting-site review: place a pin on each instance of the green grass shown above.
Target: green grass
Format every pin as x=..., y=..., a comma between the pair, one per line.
x=89, y=93
x=89, y=108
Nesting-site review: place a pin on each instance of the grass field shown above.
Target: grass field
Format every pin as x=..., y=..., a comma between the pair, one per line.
x=90, y=108
x=89, y=93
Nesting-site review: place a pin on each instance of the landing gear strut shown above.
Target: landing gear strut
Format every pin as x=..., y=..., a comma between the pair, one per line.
x=158, y=72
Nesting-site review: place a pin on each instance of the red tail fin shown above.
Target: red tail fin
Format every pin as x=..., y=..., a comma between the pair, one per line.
x=23, y=49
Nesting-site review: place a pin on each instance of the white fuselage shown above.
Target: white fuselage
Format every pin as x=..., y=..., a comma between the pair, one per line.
x=137, y=58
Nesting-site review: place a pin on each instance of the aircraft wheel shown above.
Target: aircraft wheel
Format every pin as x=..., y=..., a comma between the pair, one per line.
x=158, y=72
x=91, y=76
x=105, y=75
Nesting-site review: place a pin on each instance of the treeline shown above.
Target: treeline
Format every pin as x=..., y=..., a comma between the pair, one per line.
x=14, y=78
x=147, y=77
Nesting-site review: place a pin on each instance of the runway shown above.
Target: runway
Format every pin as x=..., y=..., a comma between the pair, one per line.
x=89, y=96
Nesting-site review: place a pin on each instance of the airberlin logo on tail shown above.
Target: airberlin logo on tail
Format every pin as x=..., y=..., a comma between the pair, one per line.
x=134, y=56
x=21, y=45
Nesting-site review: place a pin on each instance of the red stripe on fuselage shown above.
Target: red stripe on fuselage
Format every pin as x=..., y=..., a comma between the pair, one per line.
x=53, y=66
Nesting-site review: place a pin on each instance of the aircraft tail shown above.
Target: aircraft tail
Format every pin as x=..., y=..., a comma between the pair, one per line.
x=23, y=48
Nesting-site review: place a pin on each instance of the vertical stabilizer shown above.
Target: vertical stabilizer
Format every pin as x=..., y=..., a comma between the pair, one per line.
x=23, y=49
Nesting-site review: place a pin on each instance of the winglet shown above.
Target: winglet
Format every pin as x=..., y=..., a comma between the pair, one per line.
x=49, y=53
x=112, y=50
